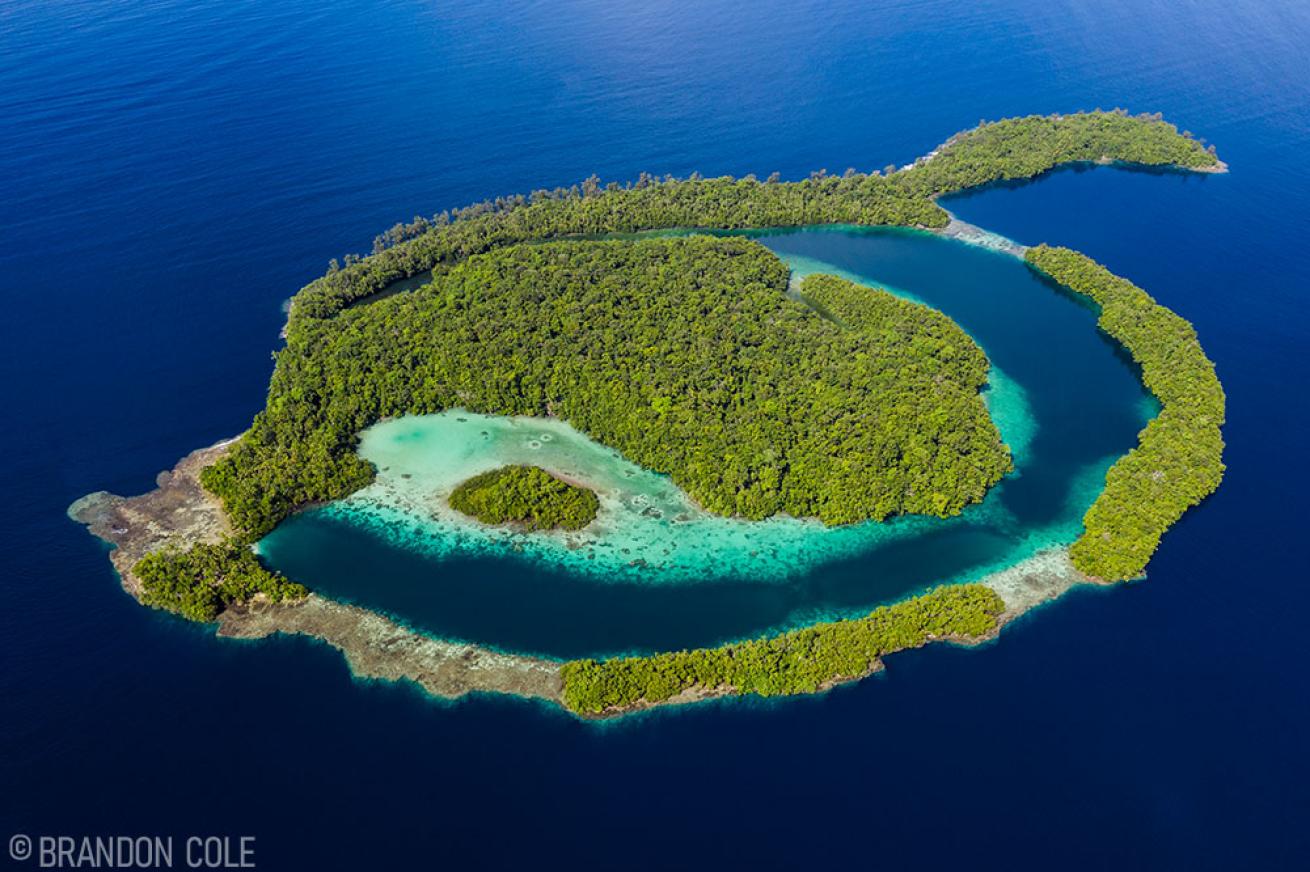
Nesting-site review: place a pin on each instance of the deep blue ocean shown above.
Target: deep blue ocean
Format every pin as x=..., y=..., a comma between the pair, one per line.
x=171, y=172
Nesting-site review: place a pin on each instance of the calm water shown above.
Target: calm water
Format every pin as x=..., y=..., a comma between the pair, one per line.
x=171, y=172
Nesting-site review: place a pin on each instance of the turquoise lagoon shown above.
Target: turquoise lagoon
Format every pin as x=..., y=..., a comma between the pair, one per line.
x=654, y=571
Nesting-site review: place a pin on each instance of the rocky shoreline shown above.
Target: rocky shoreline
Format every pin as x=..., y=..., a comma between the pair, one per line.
x=375, y=647
x=178, y=511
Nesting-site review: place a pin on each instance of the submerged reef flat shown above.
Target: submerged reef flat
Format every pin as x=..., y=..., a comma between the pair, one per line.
x=974, y=235
x=178, y=512
x=378, y=648
x=903, y=428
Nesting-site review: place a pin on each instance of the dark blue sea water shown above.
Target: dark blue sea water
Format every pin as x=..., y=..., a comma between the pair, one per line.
x=170, y=172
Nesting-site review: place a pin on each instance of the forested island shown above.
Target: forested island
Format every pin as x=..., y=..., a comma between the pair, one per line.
x=689, y=356
x=528, y=497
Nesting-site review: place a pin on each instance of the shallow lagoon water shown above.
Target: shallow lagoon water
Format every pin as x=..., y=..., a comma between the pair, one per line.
x=646, y=531
x=654, y=571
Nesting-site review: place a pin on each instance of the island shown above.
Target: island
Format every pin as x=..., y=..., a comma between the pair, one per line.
x=526, y=497
x=695, y=356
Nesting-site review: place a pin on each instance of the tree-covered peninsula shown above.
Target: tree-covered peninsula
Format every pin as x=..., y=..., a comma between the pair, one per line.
x=684, y=354
x=528, y=497
x=801, y=661
x=1178, y=460
x=1016, y=148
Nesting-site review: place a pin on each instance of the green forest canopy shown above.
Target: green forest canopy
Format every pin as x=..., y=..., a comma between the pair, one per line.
x=684, y=354
x=202, y=581
x=527, y=496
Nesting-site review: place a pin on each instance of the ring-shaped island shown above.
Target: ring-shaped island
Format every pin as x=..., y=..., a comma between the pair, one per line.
x=697, y=357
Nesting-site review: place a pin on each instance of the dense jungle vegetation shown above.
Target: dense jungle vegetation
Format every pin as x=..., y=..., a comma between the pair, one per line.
x=1178, y=460
x=685, y=354
x=1015, y=148
x=801, y=661
x=526, y=496
x=202, y=581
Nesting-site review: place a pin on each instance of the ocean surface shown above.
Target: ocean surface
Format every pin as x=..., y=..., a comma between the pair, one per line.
x=171, y=172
